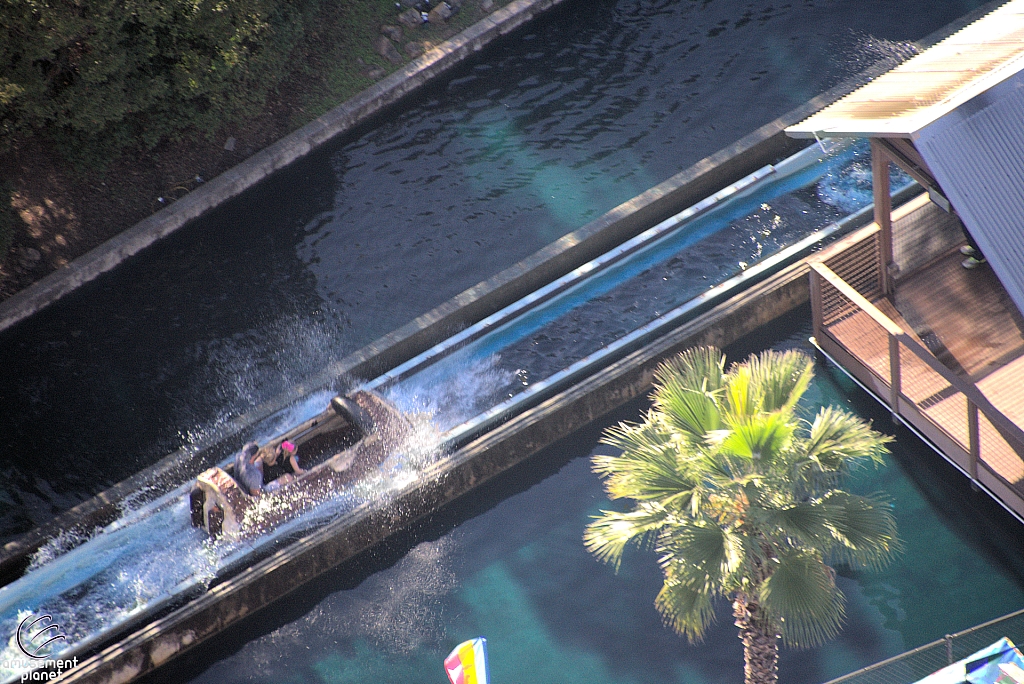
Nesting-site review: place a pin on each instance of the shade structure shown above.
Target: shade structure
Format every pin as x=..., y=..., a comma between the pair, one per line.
x=960, y=105
x=925, y=88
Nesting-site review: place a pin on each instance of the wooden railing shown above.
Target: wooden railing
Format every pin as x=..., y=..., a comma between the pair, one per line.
x=950, y=410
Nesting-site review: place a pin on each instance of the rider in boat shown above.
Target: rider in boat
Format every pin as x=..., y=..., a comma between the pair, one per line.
x=249, y=469
x=270, y=456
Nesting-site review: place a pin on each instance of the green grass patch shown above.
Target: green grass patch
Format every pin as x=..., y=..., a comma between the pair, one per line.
x=345, y=35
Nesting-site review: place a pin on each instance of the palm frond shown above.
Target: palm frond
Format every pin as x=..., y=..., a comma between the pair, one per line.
x=650, y=436
x=611, y=532
x=782, y=377
x=691, y=411
x=686, y=608
x=712, y=554
x=802, y=595
x=686, y=388
x=838, y=439
x=809, y=523
x=761, y=437
x=648, y=467
x=699, y=369
x=864, y=527
x=741, y=395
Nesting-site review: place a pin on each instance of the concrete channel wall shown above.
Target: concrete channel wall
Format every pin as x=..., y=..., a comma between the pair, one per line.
x=505, y=447
x=764, y=146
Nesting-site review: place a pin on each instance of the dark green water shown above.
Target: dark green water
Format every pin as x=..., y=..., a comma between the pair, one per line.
x=534, y=137
x=508, y=563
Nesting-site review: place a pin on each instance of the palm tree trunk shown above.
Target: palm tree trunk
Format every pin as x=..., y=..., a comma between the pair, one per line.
x=760, y=644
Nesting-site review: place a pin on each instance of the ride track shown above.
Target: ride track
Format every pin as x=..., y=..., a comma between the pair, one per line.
x=220, y=582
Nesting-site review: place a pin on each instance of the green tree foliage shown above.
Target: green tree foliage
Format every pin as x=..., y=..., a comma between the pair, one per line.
x=119, y=71
x=741, y=499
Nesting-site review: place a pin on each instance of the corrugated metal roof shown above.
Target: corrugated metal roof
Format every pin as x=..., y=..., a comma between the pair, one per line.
x=925, y=88
x=976, y=153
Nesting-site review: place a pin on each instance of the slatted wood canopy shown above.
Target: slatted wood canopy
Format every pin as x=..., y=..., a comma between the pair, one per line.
x=922, y=90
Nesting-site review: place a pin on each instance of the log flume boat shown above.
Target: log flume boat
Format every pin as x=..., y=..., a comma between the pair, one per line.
x=337, y=447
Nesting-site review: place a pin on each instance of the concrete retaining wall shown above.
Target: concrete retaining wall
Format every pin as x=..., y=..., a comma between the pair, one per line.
x=471, y=466
x=764, y=146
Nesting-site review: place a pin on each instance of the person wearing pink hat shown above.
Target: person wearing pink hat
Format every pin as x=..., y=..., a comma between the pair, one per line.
x=269, y=455
x=289, y=448
x=292, y=451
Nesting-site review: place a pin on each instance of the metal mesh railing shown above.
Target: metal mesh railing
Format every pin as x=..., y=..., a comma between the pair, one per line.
x=996, y=452
x=981, y=439
x=858, y=266
x=922, y=235
x=835, y=306
x=934, y=396
x=849, y=324
x=921, y=662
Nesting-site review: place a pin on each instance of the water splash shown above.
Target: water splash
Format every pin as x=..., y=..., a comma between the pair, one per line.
x=454, y=390
x=870, y=52
x=849, y=188
x=95, y=583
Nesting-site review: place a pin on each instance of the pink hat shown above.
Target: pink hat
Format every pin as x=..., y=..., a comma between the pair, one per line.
x=288, y=446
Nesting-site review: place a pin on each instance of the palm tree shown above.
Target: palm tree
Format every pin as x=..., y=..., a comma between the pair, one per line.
x=740, y=498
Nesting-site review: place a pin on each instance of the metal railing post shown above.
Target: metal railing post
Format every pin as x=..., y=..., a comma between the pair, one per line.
x=974, y=443
x=895, y=381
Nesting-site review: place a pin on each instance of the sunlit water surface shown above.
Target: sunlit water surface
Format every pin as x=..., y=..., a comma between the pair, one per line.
x=532, y=139
x=151, y=556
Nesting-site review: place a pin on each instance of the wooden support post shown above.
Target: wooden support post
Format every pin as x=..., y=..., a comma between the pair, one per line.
x=974, y=445
x=817, y=315
x=883, y=213
x=895, y=382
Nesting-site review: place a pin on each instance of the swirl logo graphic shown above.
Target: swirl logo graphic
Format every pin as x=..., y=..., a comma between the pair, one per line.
x=36, y=634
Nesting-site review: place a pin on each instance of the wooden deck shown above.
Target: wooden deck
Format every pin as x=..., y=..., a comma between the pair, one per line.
x=966, y=317
x=970, y=325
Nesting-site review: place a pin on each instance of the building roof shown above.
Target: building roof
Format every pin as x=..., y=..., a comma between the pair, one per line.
x=901, y=102
x=976, y=153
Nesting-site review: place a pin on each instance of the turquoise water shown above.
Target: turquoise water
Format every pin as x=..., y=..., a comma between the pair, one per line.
x=516, y=572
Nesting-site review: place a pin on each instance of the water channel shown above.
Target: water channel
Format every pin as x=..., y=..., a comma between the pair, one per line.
x=291, y=276
x=152, y=557
x=508, y=563
x=526, y=142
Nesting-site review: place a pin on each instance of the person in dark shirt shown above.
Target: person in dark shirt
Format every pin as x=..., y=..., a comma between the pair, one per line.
x=293, y=456
x=271, y=456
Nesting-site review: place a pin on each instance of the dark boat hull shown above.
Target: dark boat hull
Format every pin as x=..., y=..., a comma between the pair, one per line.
x=347, y=441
